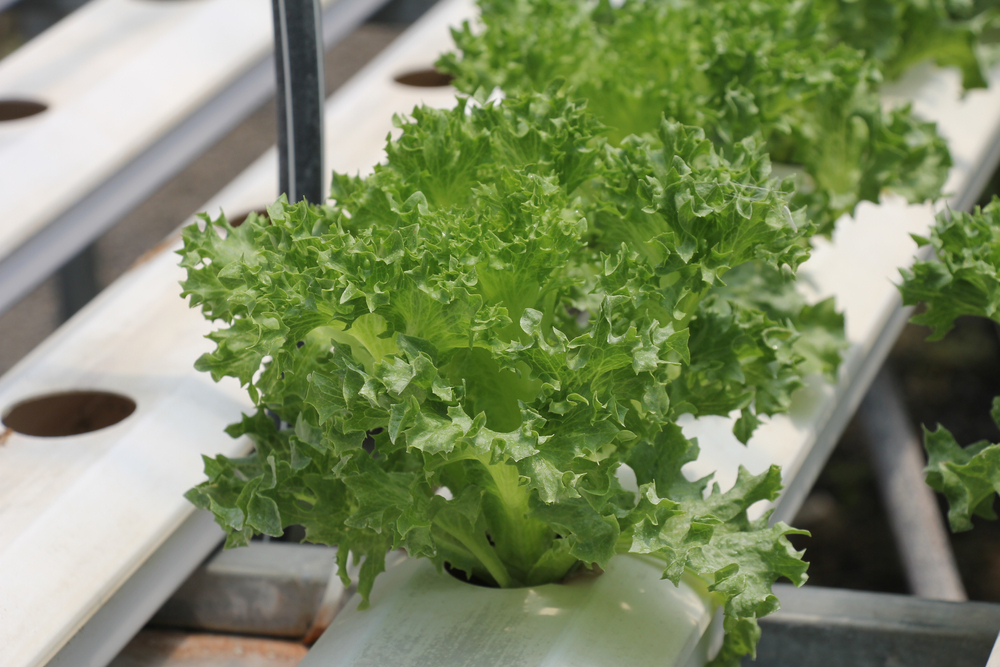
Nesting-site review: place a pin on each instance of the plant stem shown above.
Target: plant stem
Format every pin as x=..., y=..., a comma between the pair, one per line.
x=520, y=540
x=479, y=546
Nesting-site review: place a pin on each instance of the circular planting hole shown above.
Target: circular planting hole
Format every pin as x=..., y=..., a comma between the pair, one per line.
x=425, y=78
x=17, y=109
x=68, y=413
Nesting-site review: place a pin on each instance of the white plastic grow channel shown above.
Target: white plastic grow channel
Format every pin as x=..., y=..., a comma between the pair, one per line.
x=626, y=616
x=82, y=517
x=132, y=91
x=94, y=531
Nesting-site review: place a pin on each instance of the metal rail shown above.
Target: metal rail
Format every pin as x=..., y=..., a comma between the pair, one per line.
x=839, y=628
x=914, y=517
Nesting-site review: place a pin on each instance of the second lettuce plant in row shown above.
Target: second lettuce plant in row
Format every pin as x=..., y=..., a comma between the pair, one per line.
x=773, y=69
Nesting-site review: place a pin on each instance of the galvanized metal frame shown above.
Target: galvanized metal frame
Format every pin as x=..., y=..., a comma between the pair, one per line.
x=914, y=518
x=841, y=628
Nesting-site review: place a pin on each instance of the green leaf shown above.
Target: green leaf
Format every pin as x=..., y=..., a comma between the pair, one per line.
x=470, y=341
x=803, y=76
x=739, y=558
x=902, y=33
x=381, y=496
x=968, y=477
x=592, y=537
x=263, y=516
x=963, y=280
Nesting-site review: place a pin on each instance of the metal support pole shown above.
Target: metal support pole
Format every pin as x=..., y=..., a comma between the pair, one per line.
x=77, y=282
x=298, y=60
x=914, y=518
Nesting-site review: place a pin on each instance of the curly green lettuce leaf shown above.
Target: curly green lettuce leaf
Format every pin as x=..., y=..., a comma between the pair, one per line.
x=465, y=369
x=898, y=34
x=818, y=329
x=969, y=477
x=771, y=69
x=753, y=341
x=752, y=338
x=963, y=280
x=713, y=536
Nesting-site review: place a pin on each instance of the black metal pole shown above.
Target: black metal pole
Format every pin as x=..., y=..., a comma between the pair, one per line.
x=298, y=61
x=77, y=281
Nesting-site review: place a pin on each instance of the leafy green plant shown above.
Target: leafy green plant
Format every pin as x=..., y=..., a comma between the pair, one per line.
x=459, y=354
x=468, y=344
x=962, y=280
x=773, y=69
x=898, y=34
x=969, y=477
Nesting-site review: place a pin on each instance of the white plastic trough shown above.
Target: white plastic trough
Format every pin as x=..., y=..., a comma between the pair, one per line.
x=82, y=518
x=626, y=616
x=135, y=90
x=94, y=531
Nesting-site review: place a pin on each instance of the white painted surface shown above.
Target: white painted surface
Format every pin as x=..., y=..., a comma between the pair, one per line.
x=116, y=75
x=994, y=660
x=418, y=618
x=79, y=514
